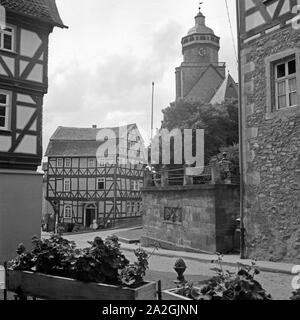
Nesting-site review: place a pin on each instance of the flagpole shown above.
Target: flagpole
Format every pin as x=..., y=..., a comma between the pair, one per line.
x=152, y=110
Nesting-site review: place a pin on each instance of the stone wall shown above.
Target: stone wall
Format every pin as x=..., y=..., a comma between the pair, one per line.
x=271, y=143
x=205, y=217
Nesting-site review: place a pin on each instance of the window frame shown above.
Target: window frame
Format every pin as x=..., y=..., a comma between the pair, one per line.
x=68, y=206
x=135, y=185
x=7, y=107
x=101, y=162
x=270, y=63
x=66, y=160
x=102, y=180
x=130, y=208
x=284, y=79
x=59, y=162
x=91, y=160
x=138, y=209
x=69, y=182
x=133, y=207
x=13, y=38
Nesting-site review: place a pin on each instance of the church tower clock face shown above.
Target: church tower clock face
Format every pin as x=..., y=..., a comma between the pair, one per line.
x=202, y=52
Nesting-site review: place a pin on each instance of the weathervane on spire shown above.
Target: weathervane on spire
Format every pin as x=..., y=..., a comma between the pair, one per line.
x=200, y=4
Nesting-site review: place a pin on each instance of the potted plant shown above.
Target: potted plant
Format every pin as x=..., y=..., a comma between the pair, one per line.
x=55, y=269
x=226, y=285
x=184, y=291
x=296, y=295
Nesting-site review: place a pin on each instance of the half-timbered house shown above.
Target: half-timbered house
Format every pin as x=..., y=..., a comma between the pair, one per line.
x=24, y=33
x=269, y=38
x=85, y=188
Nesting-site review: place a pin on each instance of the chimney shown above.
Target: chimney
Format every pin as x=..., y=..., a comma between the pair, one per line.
x=94, y=126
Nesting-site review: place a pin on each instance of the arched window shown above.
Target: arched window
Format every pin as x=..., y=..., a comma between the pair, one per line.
x=68, y=212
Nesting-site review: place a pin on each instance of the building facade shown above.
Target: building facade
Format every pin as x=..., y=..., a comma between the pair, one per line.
x=24, y=37
x=201, y=77
x=84, y=187
x=270, y=120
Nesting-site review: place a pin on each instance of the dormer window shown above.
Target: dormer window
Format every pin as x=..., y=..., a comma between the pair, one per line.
x=4, y=110
x=7, y=38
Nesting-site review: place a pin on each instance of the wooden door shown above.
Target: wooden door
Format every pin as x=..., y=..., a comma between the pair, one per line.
x=89, y=217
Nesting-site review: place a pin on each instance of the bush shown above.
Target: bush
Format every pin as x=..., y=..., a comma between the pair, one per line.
x=102, y=262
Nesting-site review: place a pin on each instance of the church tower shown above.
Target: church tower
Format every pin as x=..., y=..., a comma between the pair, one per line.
x=201, y=74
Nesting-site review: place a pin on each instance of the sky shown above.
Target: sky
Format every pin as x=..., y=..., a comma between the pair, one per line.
x=102, y=67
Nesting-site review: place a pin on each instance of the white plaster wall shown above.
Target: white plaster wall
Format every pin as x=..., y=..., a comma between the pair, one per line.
x=20, y=210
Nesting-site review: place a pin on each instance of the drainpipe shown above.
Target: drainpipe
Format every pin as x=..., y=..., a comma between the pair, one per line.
x=242, y=187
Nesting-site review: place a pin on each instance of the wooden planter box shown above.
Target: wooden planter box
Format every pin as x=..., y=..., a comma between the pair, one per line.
x=173, y=296
x=56, y=288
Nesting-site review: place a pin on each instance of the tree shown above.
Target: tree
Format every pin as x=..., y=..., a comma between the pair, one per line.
x=220, y=123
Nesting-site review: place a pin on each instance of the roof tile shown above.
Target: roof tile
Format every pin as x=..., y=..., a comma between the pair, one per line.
x=45, y=10
x=78, y=142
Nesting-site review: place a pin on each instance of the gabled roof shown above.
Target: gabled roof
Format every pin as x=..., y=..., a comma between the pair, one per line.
x=227, y=90
x=84, y=134
x=79, y=142
x=44, y=10
x=206, y=84
x=73, y=148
